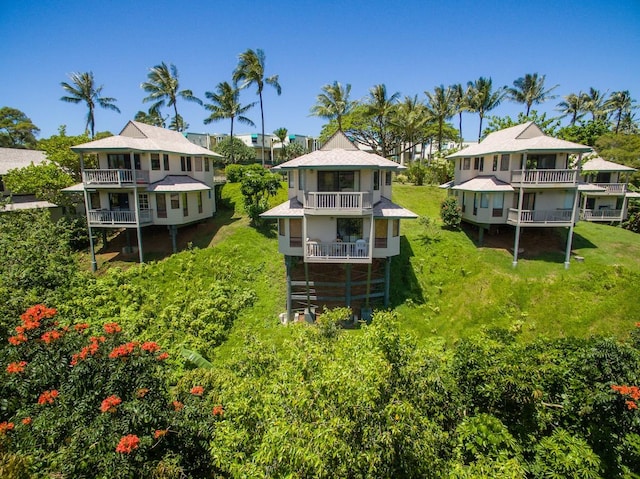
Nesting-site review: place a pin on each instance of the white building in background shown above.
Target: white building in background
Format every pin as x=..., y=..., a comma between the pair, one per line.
x=146, y=176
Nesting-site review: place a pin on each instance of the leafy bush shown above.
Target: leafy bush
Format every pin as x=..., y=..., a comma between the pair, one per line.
x=417, y=173
x=233, y=173
x=451, y=213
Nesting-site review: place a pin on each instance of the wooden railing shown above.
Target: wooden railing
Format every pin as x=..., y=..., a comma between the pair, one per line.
x=613, y=188
x=320, y=251
x=115, y=177
x=338, y=201
x=544, y=177
x=601, y=215
x=123, y=217
x=540, y=216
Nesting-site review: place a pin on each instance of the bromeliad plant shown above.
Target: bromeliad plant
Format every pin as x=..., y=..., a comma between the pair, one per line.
x=86, y=403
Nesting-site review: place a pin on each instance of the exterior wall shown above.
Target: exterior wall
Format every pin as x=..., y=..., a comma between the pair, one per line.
x=310, y=184
x=484, y=214
x=325, y=229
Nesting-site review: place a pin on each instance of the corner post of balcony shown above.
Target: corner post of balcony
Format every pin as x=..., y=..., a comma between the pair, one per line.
x=519, y=219
x=136, y=202
x=288, y=261
x=567, y=254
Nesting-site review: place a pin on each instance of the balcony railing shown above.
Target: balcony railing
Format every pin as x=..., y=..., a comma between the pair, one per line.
x=541, y=217
x=601, y=215
x=613, y=188
x=118, y=218
x=333, y=201
x=544, y=177
x=115, y=177
x=337, y=252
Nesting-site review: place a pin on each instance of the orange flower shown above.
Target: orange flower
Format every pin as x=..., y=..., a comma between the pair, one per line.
x=50, y=336
x=150, y=346
x=177, y=405
x=197, y=390
x=128, y=443
x=112, y=328
x=5, y=426
x=26, y=421
x=17, y=339
x=159, y=433
x=218, y=410
x=142, y=392
x=34, y=315
x=631, y=405
x=48, y=397
x=81, y=327
x=123, y=350
x=109, y=404
x=162, y=356
x=15, y=368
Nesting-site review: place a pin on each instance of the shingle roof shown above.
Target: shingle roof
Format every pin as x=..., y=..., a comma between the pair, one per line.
x=11, y=158
x=600, y=164
x=526, y=137
x=141, y=137
x=486, y=184
x=387, y=209
x=177, y=184
x=289, y=209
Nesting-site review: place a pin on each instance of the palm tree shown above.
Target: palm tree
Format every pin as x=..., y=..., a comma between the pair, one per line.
x=410, y=122
x=250, y=71
x=225, y=104
x=441, y=106
x=620, y=103
x=596, y=104
x=152, y=117
x=529, y=90
x=460, y=104
x=164, y=89
x=83, y=89
x=281, y=134
x=333, y=102
x=574, y=106
x=482, y=99
x=380, y=108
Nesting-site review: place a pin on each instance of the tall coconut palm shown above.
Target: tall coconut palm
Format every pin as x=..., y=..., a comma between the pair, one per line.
x=620, y=103
x=574, y=106
x=83, y=89
x=482, y=98
x=529, y=90
x=163, y=88
x=460, y=104
x=225, y=105
x=333, y=102
x=152, y=117
x=250, y=71
x=380, y=107
x=596, y=104
x=441, y=106
x=410, y=123
x=281, y=135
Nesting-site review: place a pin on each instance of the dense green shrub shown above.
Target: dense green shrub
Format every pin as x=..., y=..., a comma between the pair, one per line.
x=233, y=173
x=451, y=213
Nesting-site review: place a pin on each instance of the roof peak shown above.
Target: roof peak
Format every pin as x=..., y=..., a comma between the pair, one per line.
x=339, y=141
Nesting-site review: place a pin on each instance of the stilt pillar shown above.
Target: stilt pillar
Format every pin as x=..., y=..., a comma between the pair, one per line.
x=387, y=280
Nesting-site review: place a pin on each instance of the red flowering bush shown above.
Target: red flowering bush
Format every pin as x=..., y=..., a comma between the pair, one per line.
x=48, y=397
x=17, y=367
x=109, y=404
x=197, y=390
x=128, y=444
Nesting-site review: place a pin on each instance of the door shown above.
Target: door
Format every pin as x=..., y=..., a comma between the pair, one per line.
x=119, y=201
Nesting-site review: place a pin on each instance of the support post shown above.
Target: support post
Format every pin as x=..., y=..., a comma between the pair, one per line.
x=480, y=235
x=136, y=202
x=387, y=280
x=94, y=263
x=173, y=232
x=288, y=261
x=567, y=254
x=519, y=212
x=306, y=279
x=348, y=285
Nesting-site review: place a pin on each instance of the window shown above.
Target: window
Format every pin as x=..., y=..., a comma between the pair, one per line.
x=254, y=138
x=119, y=161
x=381, y=233
x=495, y=162
x=185, y=163
x=504, y=162
x=498, y=205
x=119, y=201
x=281, y=227
x=338, y=181
x=541, y=162
x=185, y=205
x=349, y=229
x=476, y=163
x=175, y=201
x=143, y=201
x=165, y=160
x=568, y=200
x=161, y=205
x=376, y=180
x=387, y=178
x=198, y=160
x=136, y=161
x=396, y=228
x=199, y=201
x=290, y=178
x=155, y=161
x=295, y=233
x=467, y=164
x=207, y=166
x=484, y=200
x=94, y=201
x=300, y=180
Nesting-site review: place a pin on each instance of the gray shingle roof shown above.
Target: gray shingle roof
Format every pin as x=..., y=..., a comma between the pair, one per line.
x=11, y=158
x=485, y=184
x=600, y=164
x=177, y=184
x=141, y=137
x=526, y=137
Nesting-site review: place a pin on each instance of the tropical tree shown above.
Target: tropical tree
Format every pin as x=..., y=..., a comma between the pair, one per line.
x=574, y=106
x=441, y=106
x=381, y=107
x=596, y=104
x=482, y=98
x=250, y=71
x=83, y=89
x=163, y=88
x=16, y=129
x=460, y=104
x=529, y=90
x=151, y=117
x=620, y=103
x=225, y=104
x=281, y=135
x=410, y=123
x=333, y=102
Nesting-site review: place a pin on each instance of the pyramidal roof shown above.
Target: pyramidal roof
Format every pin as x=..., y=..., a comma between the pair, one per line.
x=138, y=136
x=526, y=137
x=339, y=141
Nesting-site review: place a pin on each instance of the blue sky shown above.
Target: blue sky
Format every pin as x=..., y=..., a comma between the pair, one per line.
x=410, y=46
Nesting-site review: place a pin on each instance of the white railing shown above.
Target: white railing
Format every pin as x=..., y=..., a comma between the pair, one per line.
x=123, y=217
x=337, y=250
x=540, y=216
x=601, y=215
x=338, y=200
x=544, y=177
x=613, y=188
x=114, y=177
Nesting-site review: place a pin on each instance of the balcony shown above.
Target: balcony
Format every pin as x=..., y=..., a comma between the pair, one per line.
x=337, y=252
x=115, y=177
x=544, y=178
x=601, y=215
x=118, y=219
x=612, y=188
x=337, y=202
x=560, y=217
